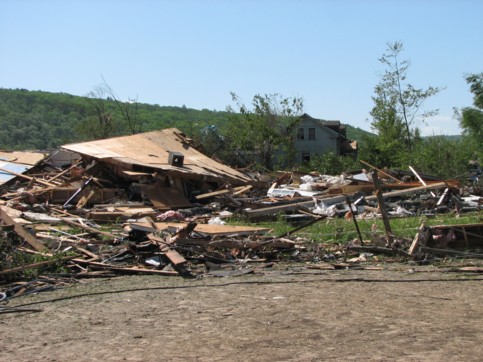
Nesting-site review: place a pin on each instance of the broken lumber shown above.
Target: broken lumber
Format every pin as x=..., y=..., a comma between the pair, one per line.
x=239, y=189
x=85, y=227
x=36, y=265
x=65, y=171
x=22, y=232
x=380, y=171
x=382, y=207
x=292, y=207
x=28, y=178
x=437, y=185
x=174, y=257
x=419, y=240
x=445, y=252
x=97, y=265
x=421, y=180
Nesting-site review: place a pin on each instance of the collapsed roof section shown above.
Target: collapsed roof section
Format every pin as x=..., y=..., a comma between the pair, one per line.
x=14, y=163
x=166, y=151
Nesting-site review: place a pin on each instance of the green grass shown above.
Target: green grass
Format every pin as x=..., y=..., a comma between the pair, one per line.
x=340, y=230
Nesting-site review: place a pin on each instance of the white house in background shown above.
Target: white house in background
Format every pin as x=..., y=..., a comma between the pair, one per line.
x=317, y=136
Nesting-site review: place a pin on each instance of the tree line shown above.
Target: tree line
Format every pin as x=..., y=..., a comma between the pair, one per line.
x=37, y=120
x=42, y=120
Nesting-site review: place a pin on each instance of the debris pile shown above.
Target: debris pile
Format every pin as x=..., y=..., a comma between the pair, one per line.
x=151, y=203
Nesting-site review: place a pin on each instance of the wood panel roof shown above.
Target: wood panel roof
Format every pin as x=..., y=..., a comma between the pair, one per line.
x=151, y=150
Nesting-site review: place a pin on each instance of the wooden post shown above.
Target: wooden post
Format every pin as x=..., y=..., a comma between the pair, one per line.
x=354, y=219
x=382, y=206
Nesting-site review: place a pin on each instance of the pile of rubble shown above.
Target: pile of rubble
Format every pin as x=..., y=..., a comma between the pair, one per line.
x=151, y=203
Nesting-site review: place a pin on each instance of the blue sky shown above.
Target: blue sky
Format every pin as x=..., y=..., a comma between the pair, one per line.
x=195, y=53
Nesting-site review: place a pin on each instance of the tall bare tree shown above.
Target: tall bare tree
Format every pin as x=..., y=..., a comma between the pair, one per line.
x=128, y=109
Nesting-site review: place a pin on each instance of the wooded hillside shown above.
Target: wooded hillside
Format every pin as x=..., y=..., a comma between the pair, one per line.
x=44, y=120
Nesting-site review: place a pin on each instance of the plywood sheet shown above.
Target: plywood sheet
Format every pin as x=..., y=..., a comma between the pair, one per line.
x=152, y=149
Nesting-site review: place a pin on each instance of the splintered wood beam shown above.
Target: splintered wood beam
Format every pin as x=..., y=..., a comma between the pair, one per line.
x=238, y=189
x=243, y=190
x=134, y=270
x=420, y=179
x=36, y=265
x=437, y=185
x=85, y=227
x=419, y=240
x=65, y=171
x=382, y=206
x=28, y=178
x=380, y=171
x=22, y=232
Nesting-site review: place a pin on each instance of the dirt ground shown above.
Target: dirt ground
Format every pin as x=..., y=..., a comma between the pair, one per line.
x=289, y=314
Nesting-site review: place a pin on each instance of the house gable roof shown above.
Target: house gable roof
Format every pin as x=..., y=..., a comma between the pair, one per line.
x=331, y=127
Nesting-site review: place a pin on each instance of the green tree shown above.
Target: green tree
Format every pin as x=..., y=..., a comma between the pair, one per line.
x=471, y=118
x=331, y=164
x=442, y=157
x=266, y=128
x=397, y=104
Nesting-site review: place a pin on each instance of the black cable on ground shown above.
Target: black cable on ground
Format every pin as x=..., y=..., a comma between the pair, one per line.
x=361, y=280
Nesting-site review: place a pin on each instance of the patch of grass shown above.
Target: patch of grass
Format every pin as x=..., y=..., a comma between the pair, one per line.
x=340, y=230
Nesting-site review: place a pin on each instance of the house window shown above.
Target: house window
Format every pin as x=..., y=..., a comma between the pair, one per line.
x=311, y=134
x=301, y=134
x=305, y=157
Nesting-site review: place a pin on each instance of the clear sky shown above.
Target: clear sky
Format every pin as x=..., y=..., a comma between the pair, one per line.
x=194, y=53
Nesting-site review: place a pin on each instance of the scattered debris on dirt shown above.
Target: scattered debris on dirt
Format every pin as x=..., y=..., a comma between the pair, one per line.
x=151, y=203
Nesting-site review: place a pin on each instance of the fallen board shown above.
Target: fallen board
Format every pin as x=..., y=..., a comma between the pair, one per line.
x=201, y=228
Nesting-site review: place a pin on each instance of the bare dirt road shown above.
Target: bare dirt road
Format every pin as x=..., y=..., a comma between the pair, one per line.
x=294, y=314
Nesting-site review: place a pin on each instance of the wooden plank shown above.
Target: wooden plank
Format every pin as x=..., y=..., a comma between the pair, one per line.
x=242, y=190
x=22, y=232
x=65, y=171
x=133, y=270
x=443, y=196
x=420, y=179
x=165, y=198
x=350, y=189
x=93, y=257
x=272, y=210
x=220, y=192
x=82, y=226
x=152, y=223
x=28, y=178
x=380, y=171
x=84, y=199
x=451, y=252
x=409, y=191
x=419, y=240
x=241, y=244
x=175, y=257
x=202, y=228
x=36, y=265
x=122, y=213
